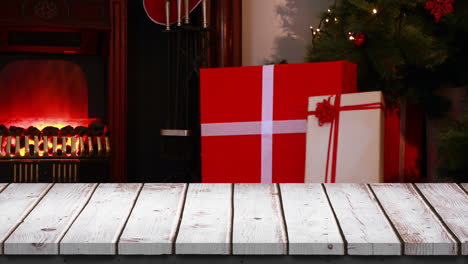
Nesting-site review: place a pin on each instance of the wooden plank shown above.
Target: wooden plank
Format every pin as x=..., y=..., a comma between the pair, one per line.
x=153, y=223
x=465, y=186
x=419, y=228
x=42, y=230
x=451, y=203
x=16, y=202
x=97, y=229
x=258, y=226
x=3, y=186
x=312, y=227
x=206, y=221
x=364, y=225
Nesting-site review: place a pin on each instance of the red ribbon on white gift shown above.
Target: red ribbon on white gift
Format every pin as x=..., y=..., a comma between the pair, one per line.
x=326, y=112
x=267, y=127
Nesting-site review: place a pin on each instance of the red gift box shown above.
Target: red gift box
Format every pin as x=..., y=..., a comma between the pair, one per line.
x=253, y=119
x=403, y=143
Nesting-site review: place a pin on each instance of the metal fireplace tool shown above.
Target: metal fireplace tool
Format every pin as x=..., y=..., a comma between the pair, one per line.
x=187, y=53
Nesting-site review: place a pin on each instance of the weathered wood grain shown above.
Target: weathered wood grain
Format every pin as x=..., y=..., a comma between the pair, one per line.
x=97, y=229
x=451, y=203
x=206, y=221
x=16, y=202
x=311, y=225
x=34, y=225
x=42, y=230
x=364, y=225
x=258, y=226
x=153, y=223
x=417, y=225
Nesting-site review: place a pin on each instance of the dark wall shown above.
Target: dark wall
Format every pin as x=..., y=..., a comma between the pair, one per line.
x=152, y=158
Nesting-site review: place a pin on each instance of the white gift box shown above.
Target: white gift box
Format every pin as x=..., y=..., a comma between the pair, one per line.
x=353, y=152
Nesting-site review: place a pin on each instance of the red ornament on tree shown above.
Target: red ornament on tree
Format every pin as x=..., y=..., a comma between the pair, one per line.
x=440, y=8
x=359, y=39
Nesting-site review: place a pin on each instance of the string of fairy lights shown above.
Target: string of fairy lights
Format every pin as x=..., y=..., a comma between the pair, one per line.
x=331, y=17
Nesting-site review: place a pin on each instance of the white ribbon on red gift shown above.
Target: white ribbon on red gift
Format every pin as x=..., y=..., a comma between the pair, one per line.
x=267, y=127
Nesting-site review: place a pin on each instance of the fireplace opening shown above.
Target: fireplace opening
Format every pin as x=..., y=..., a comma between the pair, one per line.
x=86, y=42
x=50, y=87
x=53, y=113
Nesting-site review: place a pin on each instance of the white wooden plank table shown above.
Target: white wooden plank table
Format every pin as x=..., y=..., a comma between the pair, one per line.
x=42, y=230
x=97, y=229
x=237, y=219
x=312, y=228
x=365, y=227
x=151, y=228
x=16, y=202
x=451, y=204
x=417, y=224
x=258, y=226
x=207, y=220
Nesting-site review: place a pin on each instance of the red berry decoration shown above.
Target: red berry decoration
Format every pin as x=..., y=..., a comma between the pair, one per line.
x=359, y=39
x=440, y=8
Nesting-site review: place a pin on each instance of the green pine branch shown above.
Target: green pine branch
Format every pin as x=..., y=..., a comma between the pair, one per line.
x=403, y=44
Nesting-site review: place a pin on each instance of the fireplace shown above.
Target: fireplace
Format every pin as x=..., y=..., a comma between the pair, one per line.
x=62, y=90
x=53, y=117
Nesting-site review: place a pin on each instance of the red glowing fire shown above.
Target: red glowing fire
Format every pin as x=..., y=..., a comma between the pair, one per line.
x=40, y=124
x=41, y=152
x=43, y=90
x=43, y=93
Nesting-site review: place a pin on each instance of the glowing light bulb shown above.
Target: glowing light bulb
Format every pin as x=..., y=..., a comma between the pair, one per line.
x=326, y=20
x=374, y=11
x=349, y=33
x=329, y=10
x=336, y=19
x=351, y=38
x=318, y=29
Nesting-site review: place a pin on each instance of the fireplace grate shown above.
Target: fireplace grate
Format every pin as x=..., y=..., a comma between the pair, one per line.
x=65, y=155
x=52, y=143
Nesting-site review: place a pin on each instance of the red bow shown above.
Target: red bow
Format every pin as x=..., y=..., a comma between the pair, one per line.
x=325, y=112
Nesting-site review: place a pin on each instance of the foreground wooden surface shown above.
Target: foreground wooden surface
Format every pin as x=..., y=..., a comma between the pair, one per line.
x=239, y=219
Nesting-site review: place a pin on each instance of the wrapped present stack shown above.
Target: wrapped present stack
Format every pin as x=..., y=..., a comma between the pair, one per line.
x=259, y=122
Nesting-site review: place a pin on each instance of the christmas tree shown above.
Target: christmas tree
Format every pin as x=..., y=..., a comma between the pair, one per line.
x=405, y=48
x=453, y=151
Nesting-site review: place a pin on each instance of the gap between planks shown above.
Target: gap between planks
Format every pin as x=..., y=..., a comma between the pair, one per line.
x=126, y=220
x=206, y=222
x=345, y=242
x=152, y=227
x=418, y=225
x=448, y=203
x=73, y=221
x=285, y=226
x=25, y=212
x=3, y=186
x=232, y=202
x=41, y=231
